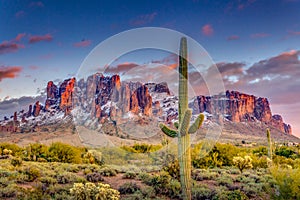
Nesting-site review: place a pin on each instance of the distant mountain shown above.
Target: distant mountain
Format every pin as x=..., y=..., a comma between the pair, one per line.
x=101, y=103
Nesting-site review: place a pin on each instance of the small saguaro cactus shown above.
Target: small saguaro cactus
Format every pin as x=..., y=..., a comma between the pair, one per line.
x=269, y=144
x=183, y=130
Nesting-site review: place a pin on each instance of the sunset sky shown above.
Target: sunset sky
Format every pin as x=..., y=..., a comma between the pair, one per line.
x=255, y=43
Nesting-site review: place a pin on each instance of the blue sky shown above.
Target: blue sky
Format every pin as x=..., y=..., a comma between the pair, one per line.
x=256, y=41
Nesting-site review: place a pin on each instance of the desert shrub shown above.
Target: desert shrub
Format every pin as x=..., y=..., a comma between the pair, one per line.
x=128, y=188
x=93, y=157
x=242, y=163
x=220, y=155
x=174, y=189
x=233, y=171
x=57, y=191
x=281, y=160
x=230, y=195
x=129, y=175
x=225, y=181
x=288, y=182
x=15, y=149
x=106, y=171
x=142, y=148
x=200, y=175
x=200, y=192
x=159, y=182
x=260, y=162
x=9, y=191
x=48, y=180
x=16, y=161
x=285, y=151
x=35, y=152
x=32, y=173
x=172, y=168
x=66, y=177
x=90, y=191
x=260, y=151
x=60, y=152
x=145, y=178
x=94, y=177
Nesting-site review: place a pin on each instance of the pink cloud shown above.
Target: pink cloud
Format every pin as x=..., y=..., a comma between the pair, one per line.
x=260, y=35
x=9, y=47
x=33, y=67
x=9, y=71
x=20, y=14
x=36, y=4
x=143, y=19
x=294, y=32
x=83, y=43
x=207, y=30
x=19, y=37
x=121, y=68
x=38, y=38
x=233, y=37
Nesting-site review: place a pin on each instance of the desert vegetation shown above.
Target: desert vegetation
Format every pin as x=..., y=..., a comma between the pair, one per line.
x=61, y=171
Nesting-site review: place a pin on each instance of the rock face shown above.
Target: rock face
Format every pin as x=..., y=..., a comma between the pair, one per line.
x=66, y=90
x=239, y=107
x=107, y=97
x=37, y=109
x=52, y=95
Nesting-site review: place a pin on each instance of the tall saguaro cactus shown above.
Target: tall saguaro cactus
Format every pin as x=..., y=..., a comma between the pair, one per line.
x=183, y=129
x=269, y=144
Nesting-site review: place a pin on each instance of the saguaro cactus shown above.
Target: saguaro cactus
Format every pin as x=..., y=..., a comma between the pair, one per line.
x=269, y=144
x=183, y=129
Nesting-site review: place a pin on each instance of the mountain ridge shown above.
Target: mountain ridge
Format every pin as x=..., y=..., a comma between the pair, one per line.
x=105, y=99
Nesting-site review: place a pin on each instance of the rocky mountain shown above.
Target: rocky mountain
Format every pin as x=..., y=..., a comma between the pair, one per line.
x=239, y=107
x=106, y=100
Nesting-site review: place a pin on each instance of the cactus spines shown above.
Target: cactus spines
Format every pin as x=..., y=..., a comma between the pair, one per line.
x=183, y=127
x=269, y=144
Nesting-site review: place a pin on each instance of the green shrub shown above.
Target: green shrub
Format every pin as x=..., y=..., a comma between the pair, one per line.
x=106, y=171
x=48, y=180
x=242, y=163
x=128, y=188
x=142, y=148
x=60, y=152
x=32, y=173
x=129, y=175
x=288, y=182
x=225, y=181
x=93, y=157
x=260, y=162
x=9, y=192
x=200, y=175
x=35, y=152
x=285, y=151
x=172, y=168
x=66, y=177
x=90, y=191
x=231, y=195
x=15, y=149
x=16, y=161
x=94, y=177
x=145, y=178
x=202, y=192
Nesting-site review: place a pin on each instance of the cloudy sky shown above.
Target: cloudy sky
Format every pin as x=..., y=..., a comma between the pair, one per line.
x=255, y=43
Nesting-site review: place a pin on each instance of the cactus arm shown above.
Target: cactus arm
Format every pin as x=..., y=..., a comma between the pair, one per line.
x=196, y=125
x=184, y=125
x=176, y=124
x=168, y=131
